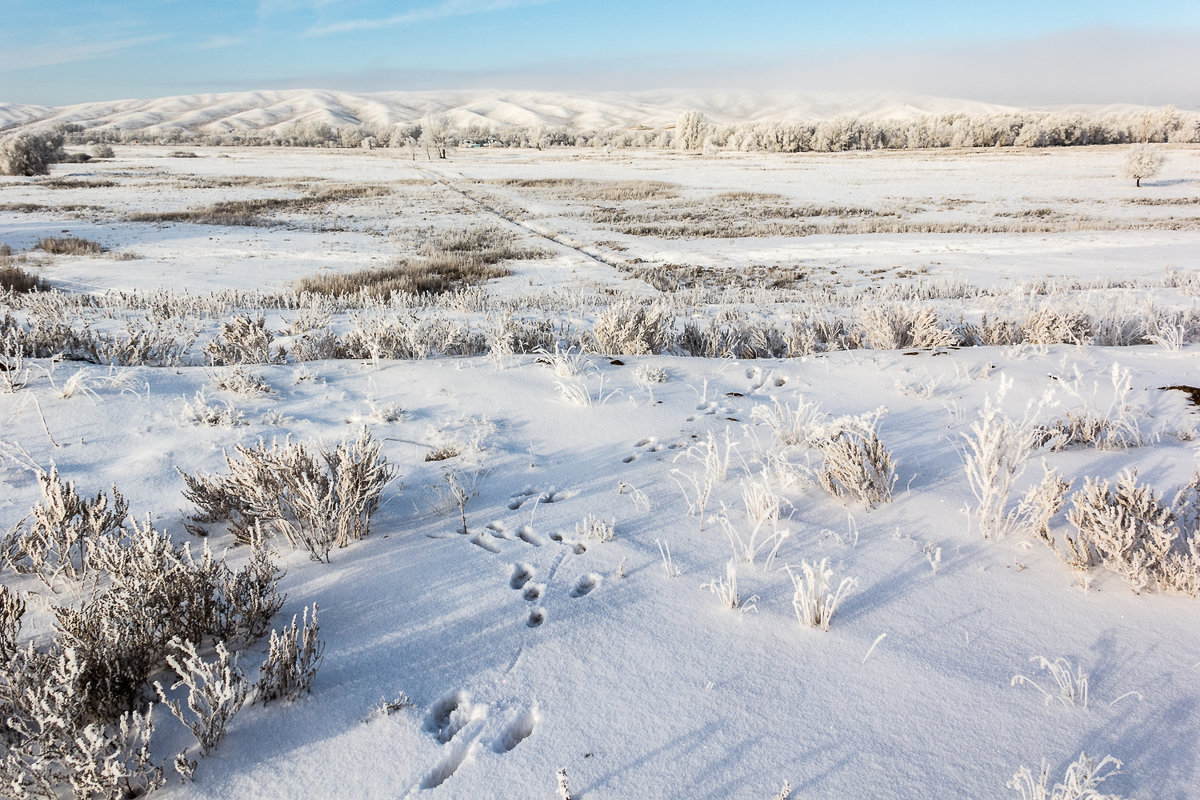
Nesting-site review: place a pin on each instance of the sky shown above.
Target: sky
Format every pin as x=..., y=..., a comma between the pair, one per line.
x=1019, y=52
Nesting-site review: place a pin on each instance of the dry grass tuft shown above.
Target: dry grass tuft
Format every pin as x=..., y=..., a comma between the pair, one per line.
x=69, y=246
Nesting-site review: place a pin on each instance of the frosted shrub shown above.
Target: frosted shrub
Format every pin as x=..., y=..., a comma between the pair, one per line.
x=763, y=508
x=649, y=375
x=856, y=466
x=634, y=329
x=378, y=332
x=815, y=599
x=1080, y=781
x=12, y=609
x=13, y=372
x=316, y=501
x=317, y=345
x=798, y=426
x=240, y=382
x=1129, y=530
x=713, y=458
x=1116, y=428
x=994, y=456
x=892, y=327
x=29, y=153
x=58, y=536
x=726, y=590
x=216, y=690
x=1053, y=326
x=158, y=591
x=565, y=363
x=243, y=340
x=1042, y=502
x=295, y=655
x=596, y=528
x=51, y=745
x=199, y=411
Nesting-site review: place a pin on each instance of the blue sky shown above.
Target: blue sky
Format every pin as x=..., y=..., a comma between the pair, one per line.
x=1016, y=51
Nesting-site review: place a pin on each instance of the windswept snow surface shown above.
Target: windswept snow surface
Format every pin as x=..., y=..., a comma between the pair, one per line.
x=526, y=646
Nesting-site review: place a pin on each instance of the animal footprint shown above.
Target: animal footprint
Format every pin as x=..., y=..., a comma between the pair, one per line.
x=479, y=540
x=536, y=618
x=648, y=444
x=451, y=715
x=711, y=408
x=550, y=495
x=578, y=547
x=518, y=730
x=522, y=574
x=499, y=530
x=530, y=536
x=533, y=591
x=585, y=585
x=459, y=755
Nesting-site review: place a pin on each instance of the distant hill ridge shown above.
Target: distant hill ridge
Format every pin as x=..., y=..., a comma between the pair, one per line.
x=280, y=110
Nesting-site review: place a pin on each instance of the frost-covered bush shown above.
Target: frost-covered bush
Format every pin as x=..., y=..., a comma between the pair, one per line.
x=1129, y=530
x=633, y=329
x=216, y=690
x=58, y=536
x=994, y=455
x=855, y=465
x=29, y=153
x=891, y=327
x=378, y=332
x=1080, y=781
x=200, y=411
x=798, y=426
x=51, y=744
x=159, y=591
x=243, y=340
x=317, y=501
x=815, y=598
x=292, y=662
x=74, y=717
x=596, y=528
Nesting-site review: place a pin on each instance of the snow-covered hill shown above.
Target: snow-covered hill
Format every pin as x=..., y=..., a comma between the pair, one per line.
x=252, y=111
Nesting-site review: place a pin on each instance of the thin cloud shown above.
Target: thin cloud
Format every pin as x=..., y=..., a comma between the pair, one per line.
x=449, y=8
x=49, y=55
x=219, y=42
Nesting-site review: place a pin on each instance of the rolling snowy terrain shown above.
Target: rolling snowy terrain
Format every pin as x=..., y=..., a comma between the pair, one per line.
x=277, y=110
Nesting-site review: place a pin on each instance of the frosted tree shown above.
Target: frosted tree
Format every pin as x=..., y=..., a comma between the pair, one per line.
x=1143, y=161
x=30, y=153
x=436, y=134
x=690, y=130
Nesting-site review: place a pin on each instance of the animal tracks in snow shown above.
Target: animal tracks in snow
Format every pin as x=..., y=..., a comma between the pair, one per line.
x=649, y=444
x=518, y=730
x=585, y=585
x=540, y=496
x=454, y=714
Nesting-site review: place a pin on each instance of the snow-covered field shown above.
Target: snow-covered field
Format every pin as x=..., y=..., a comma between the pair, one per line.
x=528, y=643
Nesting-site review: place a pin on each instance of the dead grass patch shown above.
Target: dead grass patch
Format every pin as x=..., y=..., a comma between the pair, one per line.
x=249, y=213
x=68, y=246
x=449, y=260
x=75, y=183
x=15, y=279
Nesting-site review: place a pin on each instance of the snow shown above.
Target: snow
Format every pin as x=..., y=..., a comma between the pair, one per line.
x=222, y=113
x=637, y=683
